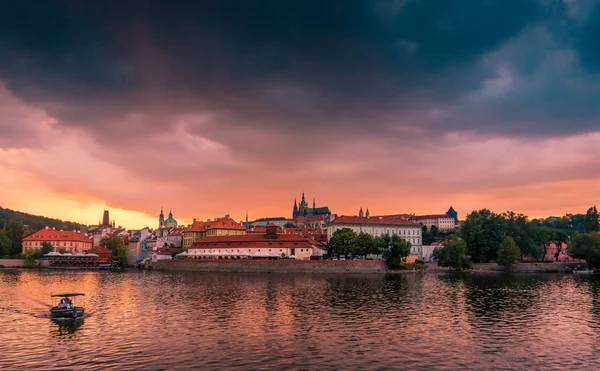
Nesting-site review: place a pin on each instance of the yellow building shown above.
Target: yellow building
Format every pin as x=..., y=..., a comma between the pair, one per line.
x=218, y=227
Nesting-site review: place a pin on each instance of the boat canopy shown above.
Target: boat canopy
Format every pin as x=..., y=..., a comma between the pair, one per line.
x=67, y=295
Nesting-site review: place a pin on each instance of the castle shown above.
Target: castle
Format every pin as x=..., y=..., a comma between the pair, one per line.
x=302, y=209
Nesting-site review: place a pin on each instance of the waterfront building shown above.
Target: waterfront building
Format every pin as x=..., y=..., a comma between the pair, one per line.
x=380, y=225
x=71, y=241
x=271, y=244
x=427, y=250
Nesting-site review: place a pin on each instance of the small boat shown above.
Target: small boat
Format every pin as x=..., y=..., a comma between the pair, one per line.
x=585, y=271
x=66, y=309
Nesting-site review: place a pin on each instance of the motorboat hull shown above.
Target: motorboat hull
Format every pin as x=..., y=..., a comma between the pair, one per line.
x=75, y=312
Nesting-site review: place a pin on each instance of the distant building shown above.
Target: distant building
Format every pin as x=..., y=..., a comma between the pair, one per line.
x=263, y=222
x=71, y=241
x=453, y=214
x=442, y=222
x=302, y=209
x=225, y=226
x=169, y=222
x=380, y=225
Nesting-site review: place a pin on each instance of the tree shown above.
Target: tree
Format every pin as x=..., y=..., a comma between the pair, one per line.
x=341, y=242
x=119, y=252
x=426, y=236
x=483, y=232
x=453, y=254
x=591, y=220
x=586, y=246
x=362, y=244
x=46, y=248
x=30, y=256
x=524, y=233
x=398, y=250
x=5, y=244
x=14, y=231
x=508, y=252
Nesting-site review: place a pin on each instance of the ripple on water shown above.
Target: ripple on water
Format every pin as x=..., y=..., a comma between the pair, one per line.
x=154, y=320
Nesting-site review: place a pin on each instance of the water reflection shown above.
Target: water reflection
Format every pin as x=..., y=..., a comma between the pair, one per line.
x=65, y=327
x=248, y=321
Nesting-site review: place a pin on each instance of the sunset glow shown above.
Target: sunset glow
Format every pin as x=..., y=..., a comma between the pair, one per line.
x=361, y=107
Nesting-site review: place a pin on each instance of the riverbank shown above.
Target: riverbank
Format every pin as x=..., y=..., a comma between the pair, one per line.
x=273, y=266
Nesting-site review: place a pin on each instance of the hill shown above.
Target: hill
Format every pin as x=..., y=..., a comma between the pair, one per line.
x=36, y=222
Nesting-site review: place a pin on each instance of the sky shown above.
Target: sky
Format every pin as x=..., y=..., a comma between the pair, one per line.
x=226, y=107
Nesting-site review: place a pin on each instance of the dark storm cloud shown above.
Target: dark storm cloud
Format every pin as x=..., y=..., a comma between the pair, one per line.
x=291, y=64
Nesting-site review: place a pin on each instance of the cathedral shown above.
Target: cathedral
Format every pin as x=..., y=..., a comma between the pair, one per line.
x=302, y=209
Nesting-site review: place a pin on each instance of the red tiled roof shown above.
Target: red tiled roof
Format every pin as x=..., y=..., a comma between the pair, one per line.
x=197, y=226
x=385, y=220
x=51, y=234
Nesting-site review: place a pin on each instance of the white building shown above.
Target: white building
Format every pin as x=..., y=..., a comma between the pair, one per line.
x=380, y=225
x=443, y=222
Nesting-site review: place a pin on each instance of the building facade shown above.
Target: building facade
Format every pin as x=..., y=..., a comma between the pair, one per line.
x=71, y=241
x=272, y=243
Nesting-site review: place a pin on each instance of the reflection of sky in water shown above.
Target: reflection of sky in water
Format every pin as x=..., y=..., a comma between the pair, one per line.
x=210, y=320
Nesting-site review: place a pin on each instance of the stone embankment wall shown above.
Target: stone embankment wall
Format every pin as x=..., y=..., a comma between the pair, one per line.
x=274, y=266
x=11, y=262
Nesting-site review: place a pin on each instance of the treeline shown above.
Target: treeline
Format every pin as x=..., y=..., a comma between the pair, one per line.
x=346, y=242
x=11, y=239
x=36, y=222
x=508, y=237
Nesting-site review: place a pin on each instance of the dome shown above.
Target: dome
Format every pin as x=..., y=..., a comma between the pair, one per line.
x=170, y=221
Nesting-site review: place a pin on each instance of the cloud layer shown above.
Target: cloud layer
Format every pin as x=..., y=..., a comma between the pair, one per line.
x=226, y=106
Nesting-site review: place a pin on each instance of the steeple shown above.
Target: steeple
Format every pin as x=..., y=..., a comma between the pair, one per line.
x=170, y=213
x=295, y=211
x=303, y=200
x=161, y=218
x=368, y=215
x=246, y=220
x=360, y=212
x=314, y=207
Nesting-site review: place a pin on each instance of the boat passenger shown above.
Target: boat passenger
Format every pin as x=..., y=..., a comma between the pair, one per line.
x=62, y=304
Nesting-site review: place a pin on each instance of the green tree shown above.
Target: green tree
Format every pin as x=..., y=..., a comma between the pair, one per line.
x=341, y=242
x=30, y=256
x=5, y=244
x=453, y=254
x=115, y=244
x=483, y=232
x=508, y=252
x=46, y=248
x=586, y=246
x=398, y=249
x=427, y=237
x=362, y=244
x=591, y=220
x=14, y=231
x=434, y=232
x=524, y=233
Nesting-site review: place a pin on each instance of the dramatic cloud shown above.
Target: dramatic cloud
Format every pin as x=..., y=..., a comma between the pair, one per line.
x=220, y=107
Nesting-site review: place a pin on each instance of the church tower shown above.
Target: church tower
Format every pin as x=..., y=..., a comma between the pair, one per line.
x=368, y=214
x=360, y=212
x=314, y=204
x=295, y=212
x=161, y=218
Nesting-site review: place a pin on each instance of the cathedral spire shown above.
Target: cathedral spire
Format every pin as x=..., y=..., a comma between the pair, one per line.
x=295, y=211
x=368, y=214
x=314, y=207
x=303, y=200
x=360, y=212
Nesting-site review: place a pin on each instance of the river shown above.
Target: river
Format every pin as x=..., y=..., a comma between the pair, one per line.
x=184, y=320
